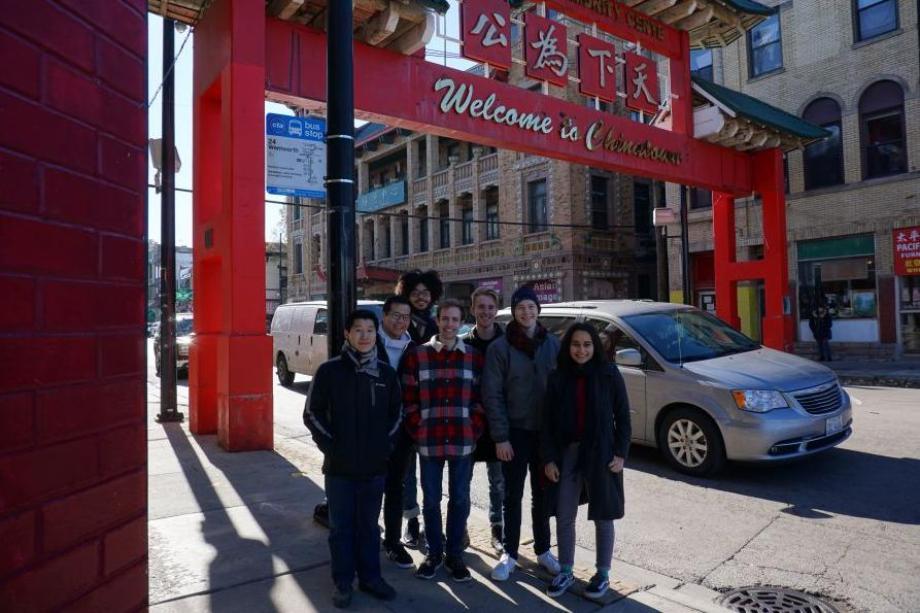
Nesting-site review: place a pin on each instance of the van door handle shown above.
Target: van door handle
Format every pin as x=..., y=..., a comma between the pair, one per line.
x=298, y=339
x=311, y=341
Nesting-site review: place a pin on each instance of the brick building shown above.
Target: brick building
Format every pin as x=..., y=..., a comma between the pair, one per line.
x=853, y=69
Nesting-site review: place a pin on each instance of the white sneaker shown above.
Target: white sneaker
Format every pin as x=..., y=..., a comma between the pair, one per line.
x=549, y=562
x=504, y=568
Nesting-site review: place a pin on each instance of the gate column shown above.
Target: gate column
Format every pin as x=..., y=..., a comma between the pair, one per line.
x=723, y=233
x=230, y=386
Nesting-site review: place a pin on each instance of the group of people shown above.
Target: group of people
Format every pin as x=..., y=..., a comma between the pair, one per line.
x=517, y=398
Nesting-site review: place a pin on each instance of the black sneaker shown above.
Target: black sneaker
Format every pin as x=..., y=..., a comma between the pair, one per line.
x=398, y=555
x=598, y=586
x=498, y=538
x=378, y=588
x=341, y=596
x=458, y=570
x=321, y=514
x=411, y=536
x=429, y=567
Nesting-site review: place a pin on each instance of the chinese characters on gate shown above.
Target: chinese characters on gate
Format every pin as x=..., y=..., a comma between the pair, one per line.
x=486, y=33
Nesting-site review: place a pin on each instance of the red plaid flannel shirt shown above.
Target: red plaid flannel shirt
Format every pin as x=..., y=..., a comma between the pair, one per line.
x=443, y=411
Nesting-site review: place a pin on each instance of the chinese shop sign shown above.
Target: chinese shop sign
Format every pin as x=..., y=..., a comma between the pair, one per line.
x=906, y=243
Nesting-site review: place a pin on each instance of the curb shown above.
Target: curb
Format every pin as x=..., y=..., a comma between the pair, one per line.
x=880, y=380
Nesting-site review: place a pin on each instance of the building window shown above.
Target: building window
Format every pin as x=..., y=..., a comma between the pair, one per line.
x=467, y=233
x=536, y=206
x=492, y=225
x=839, y=273
x=422, y=158
x=369, y=242
x=444, y=225
x=881, y=121
x=701, y=63
x=642, y=208
x=387, y=239
x=823, y=160
x=295, y=210
x=423, y=229
x=875, y=17
x=404, y=233
x=316, y=252
x=765, y=47
x=599, y=203
x=298, y=258
x=700, y=198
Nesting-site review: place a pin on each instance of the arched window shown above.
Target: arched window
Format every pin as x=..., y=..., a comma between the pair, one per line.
x=881, y=124
x=824, y=159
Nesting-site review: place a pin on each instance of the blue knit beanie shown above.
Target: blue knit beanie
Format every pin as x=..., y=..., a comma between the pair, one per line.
x=524, y=293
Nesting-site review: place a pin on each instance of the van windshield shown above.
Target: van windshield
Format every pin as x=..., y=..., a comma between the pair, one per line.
x=689, y=335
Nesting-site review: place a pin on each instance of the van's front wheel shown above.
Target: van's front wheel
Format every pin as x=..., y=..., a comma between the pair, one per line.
x=691, y=442
x=285, y=377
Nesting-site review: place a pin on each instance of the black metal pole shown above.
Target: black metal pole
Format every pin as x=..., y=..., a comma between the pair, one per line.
x=168, y=409
x=340, y=170
x=685, y=244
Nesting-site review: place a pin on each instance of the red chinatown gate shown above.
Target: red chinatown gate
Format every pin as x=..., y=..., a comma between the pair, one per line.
x=242, y=56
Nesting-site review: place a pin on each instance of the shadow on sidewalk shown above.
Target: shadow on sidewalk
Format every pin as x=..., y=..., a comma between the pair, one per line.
x=839, y=481
x=268, y=524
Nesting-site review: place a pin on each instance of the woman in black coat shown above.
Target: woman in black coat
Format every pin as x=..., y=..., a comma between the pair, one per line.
x=585, y=437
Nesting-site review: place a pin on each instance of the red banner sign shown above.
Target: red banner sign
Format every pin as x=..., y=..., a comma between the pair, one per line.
x=906, y=243
x=597, y=68
x=546, y=50
x=641, y=84
x=485, y=27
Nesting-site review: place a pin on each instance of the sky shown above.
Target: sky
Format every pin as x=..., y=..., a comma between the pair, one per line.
x=183, y=105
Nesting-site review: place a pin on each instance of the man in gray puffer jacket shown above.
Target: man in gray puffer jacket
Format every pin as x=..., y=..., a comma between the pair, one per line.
x=513, y=385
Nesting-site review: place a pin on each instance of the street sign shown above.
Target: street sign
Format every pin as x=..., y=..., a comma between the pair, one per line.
x=662, y=216
x=295, y=155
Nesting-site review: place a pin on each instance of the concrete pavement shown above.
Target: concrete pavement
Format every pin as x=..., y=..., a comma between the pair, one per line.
x=899, y=373
x=233, y=532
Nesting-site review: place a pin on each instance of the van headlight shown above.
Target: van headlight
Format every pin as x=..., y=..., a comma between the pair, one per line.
x=759, y=401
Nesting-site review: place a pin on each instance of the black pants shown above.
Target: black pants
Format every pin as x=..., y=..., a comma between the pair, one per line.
x=393, y=489
x=354, y=538
x=526, y=446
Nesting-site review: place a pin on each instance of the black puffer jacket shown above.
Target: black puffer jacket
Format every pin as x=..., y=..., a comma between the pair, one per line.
x=354, y=417
x=607, y=432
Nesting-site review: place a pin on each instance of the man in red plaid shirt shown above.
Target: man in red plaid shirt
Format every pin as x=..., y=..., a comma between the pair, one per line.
x=445, y=418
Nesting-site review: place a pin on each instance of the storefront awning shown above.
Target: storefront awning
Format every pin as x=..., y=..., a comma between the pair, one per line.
x=732, y=119
x=710, y=23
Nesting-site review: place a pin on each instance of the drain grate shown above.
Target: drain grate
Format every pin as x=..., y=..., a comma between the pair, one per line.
x=764, y=599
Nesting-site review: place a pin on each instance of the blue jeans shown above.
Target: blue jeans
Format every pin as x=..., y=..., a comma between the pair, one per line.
x=459, y=471
x=354, y=538
x=496, y=492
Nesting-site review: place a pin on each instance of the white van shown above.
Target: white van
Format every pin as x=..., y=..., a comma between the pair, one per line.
x=299, y=336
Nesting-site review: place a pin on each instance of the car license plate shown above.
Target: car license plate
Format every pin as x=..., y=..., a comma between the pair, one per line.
x=834, y=425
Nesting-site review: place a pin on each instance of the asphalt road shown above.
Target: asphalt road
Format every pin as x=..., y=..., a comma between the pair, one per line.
x=844, y=524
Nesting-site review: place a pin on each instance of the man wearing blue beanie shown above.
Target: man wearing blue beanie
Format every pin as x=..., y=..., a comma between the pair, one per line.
x=513, y=385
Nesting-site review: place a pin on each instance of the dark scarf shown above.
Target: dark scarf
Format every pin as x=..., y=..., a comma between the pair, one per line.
x=518, y=338
x=422, y=324
x=364, y=362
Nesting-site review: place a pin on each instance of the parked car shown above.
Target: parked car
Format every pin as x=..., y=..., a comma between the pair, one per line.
x=185, y=335
x=299, y=336
x=702, y=392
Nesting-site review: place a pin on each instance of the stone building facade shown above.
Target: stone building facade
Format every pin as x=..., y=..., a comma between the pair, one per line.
x=854, y=71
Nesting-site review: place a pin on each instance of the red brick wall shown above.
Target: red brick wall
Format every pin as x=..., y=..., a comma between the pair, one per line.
x=72, y=260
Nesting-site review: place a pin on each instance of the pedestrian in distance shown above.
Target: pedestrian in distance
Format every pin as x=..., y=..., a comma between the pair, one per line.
x=422, y=290
x=513, y=384
x=821, y=323
x=484, y=303
x=398, y=502
x=445, y=418
x=584, y=441
x=353, y=411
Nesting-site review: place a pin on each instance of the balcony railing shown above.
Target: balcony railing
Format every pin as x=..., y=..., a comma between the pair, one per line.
x=439, y=185
x=382, y=197
x=420, y=191
x=488, y=169
x=463, y=178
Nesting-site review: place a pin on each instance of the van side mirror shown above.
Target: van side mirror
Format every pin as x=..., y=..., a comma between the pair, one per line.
x=629, y=357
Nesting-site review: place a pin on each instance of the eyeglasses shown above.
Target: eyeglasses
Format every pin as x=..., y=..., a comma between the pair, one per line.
x=419, y=293
x=398, y=316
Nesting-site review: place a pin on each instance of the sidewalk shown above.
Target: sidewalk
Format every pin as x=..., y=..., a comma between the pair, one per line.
x=234, y=532
x=902, y=373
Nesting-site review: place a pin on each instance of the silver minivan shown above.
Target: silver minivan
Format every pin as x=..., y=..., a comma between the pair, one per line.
x=298, y=333
x=702, y=392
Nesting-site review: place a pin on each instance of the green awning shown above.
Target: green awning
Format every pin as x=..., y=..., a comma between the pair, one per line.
x=841, y=247
x=749, y=6
x=440, y=6
x=760, y=112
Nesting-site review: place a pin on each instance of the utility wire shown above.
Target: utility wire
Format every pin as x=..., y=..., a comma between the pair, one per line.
x=439, y=218
x=171, y=66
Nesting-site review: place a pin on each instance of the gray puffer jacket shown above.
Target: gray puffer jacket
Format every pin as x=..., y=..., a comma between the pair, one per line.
x=513, y=385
